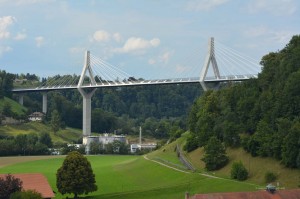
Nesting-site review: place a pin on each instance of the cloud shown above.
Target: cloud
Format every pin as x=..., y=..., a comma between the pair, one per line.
x=101, y=36
x=274, y=36
x=181, y=68
x=76, y=50
x=134, y=44
x=4, y=49
x=204, y=5
x=117, y=37
x=39, y=41
x=163, y=58
x=5, y=22
x=276, y=7
x=20, y=36
x=24, y=2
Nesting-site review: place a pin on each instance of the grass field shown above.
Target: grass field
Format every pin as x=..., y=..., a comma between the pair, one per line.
x=131, y=177
x=15, y=106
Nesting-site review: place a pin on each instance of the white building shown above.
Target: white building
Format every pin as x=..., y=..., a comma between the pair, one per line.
x=36, y=116
x=104, y=139
x=148, y=146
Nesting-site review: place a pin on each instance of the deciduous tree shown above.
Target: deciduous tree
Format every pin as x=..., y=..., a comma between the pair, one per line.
x=75, y=176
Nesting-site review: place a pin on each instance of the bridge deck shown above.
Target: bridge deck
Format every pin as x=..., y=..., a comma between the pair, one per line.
x=139, y=83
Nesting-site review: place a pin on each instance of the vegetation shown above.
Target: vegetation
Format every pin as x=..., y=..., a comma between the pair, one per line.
x=9, y=185
x=29, y=194
x=261, y=114
x=239, y=171
x=75, y=175
x=215, y=154
x=132, y=176
x=270, y=177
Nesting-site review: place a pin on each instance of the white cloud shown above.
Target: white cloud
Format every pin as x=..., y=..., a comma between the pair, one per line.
x=24, y=2
x=165, y=57
x=274, y=36
x=134, y=44
x=20, y=36
x=4, y=49
x=39, y=41
x=181, y=68
x=5, y=22
x=204, y=5
x=117, y=37
x=276, y=7
x=101, y=36
x=76, y=50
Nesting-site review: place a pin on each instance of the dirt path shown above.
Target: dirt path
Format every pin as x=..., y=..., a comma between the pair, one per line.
x=6, y=161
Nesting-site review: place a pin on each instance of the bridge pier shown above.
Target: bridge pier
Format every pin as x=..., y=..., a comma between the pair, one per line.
x=21, y=99
x=45, y=103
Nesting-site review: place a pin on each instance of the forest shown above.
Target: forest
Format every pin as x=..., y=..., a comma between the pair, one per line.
x=161, y=110
x=261, y=115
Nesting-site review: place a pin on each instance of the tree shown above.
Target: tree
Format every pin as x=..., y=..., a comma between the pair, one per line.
x=29, y=194
x=238, y=171
x=215, y=154
x=55, y=121
x=75, y=175
x=46, y=139
x=9, y=185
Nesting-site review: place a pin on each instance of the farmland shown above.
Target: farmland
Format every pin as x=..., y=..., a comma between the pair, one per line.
x=129, y=177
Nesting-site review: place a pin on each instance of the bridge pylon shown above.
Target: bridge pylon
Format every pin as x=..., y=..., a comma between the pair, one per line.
x=210, y=58
x=87, y=96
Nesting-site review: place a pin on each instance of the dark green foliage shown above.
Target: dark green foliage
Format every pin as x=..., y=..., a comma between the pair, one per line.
x=270, y=177
x=30, y=194
x=116, y=147
x=6, y=84
x=55, y=121
x=9, y=185
x=75, y=176
x=191, y=143
x=215, y=154
x=46, y=140
x=266, y=110
x=238, y=171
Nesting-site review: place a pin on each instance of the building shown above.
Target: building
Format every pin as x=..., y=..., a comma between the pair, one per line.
x=36, y=116
x=104, y=139
x=35, y=181
x=262, y=194
x=148, y=146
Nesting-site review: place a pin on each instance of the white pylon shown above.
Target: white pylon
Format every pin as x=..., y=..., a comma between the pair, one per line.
x=210, y=58
x=87, y=96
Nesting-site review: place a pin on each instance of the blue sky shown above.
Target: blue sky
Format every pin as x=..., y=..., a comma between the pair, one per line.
x=142, y=37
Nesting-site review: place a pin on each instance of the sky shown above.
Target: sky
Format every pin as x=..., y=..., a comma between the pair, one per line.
x=142, y=37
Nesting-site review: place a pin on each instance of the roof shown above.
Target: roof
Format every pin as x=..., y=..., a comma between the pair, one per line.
x=35, y=181
x=37, y=114
x=280, y=194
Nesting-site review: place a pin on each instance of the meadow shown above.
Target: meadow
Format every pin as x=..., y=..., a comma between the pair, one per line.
x=130, y=177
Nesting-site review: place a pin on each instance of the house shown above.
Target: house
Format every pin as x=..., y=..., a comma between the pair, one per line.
x=262, y=194
x=36, y=116
x=147, y=146
x=35, y=181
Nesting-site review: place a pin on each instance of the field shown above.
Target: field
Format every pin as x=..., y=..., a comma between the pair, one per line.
x=129, y=177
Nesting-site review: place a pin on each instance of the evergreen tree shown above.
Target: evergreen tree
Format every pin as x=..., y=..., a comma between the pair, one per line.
x=215, y=154
x=55, y=121
x=75, y=175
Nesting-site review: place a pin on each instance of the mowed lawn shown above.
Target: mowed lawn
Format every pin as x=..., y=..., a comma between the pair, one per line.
x=133, y=177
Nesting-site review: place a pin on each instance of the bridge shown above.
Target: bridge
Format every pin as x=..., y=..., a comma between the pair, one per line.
x=97, y=73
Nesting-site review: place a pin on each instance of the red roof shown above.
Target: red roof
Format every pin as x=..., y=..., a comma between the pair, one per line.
x=279, y=194
x=34, y=181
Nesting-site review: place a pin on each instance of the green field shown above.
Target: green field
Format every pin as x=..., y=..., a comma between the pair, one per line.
x=133, y=177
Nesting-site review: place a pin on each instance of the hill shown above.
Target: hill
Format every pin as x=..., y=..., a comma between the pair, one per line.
x=15, y=107
x=257, y=166
x=68, y=135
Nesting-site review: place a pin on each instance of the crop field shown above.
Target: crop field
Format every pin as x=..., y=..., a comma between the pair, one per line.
x=128, y=177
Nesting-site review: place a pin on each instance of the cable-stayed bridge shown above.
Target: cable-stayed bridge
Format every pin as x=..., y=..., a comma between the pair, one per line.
x=222, y=64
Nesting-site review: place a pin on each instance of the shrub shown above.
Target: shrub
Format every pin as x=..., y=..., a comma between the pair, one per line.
x=9, y=185
x=270, y=177
x=238, y=171
x=29, y=194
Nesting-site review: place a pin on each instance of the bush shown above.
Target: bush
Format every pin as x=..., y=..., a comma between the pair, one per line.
x=30, y=194
x=270, y=177
x=9, y=185
x=238, y=171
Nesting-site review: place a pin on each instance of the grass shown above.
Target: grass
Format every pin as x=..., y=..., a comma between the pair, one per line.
x=15, y=106
x=64, y=135
x=133, y=177
x=257, y=167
